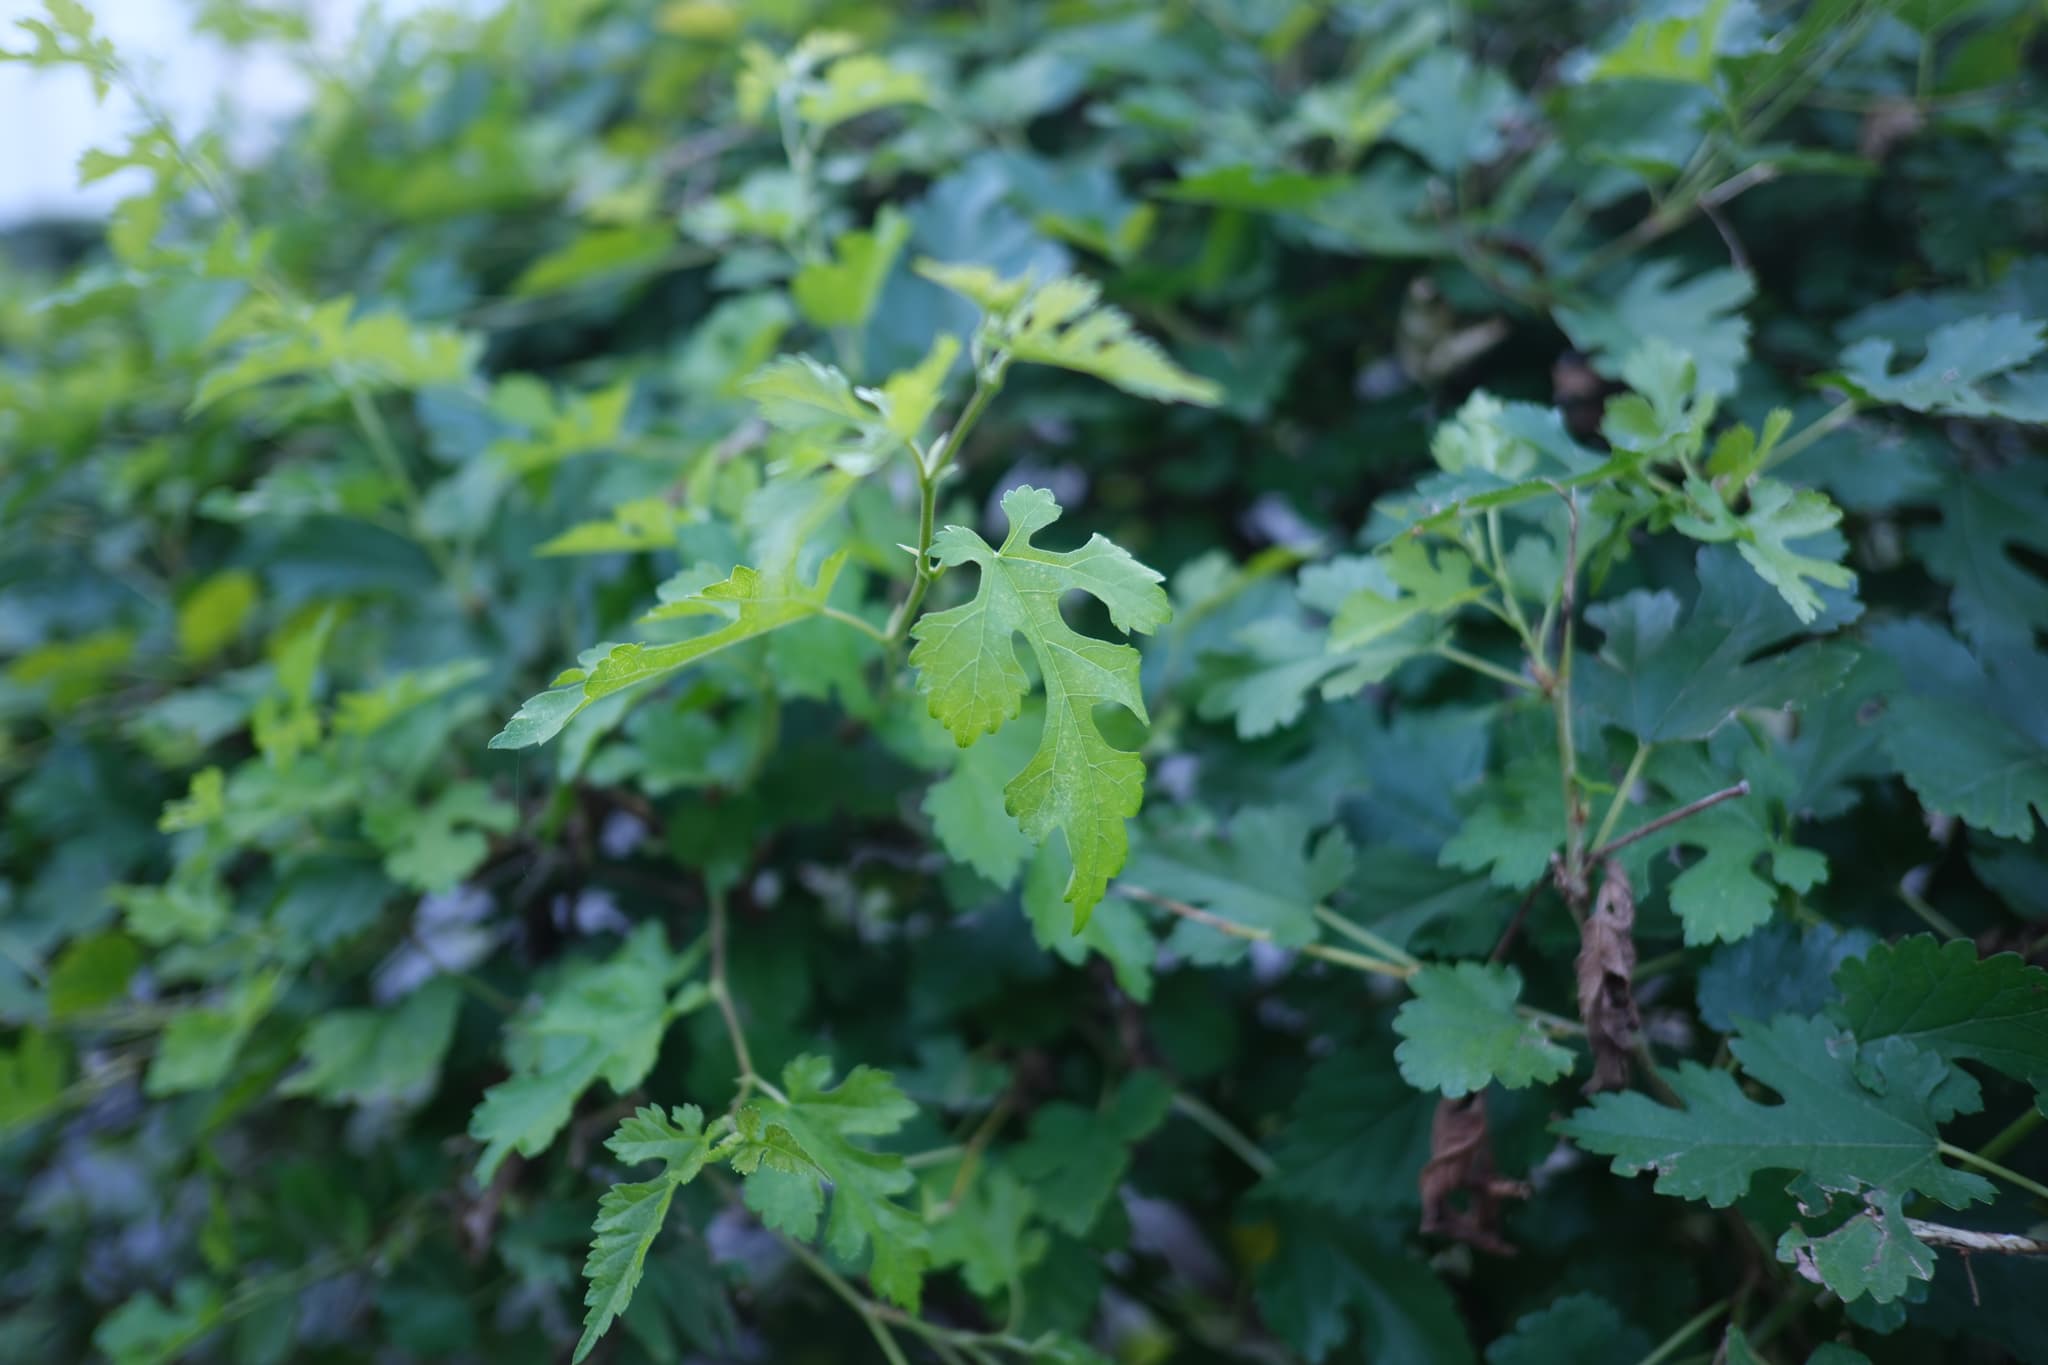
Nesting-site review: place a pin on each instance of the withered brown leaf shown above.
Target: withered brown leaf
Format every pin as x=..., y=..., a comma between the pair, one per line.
x=1461, y=1162
x=1606, y=976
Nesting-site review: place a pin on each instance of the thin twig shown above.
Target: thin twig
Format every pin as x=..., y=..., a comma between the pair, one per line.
x=1968, y=1240
x=1684, y=812
x=1342, y=957
x=1220, y=1128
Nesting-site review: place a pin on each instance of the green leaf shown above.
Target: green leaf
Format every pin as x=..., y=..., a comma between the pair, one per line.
x=1988, y=520
x=1333, y=1283
x=1074, y=1158
x=758, y=603
x=597, y=253
x=630, y=1215
x=1264, y=678
x=1701, y=317
x=1944, y=999
x=599, y=1019
x=212, y=616
x=1461, y=1032
x=1454, y=113
x=1967, y=732
x=147, y=1331
x=811, y=1131
x=1515, y=825
x=1723, y=895
x=797, y=393
x=435, y=847
x=1658, y=47
x=91, y=973
x=1116, y=929
x=1578, y=1329
x=32, y=1077
x=1950, y=378
x=856, y=85
x=1425, y=586
x=1874, y=1253
x=1779, y=515
x=842, y=292
x=199, y=1048
x=372, y=1057
x=1664, y=680
x=1076, y=782
x=1064, y=323
x=1356, y=1137
x=376, y=351
x=989, y=1232
x=1269, y=874
x=969, y=811
x=1829, y=1126
x=1779, y=969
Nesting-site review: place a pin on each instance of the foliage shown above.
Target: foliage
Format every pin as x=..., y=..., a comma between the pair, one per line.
x=1187, y=670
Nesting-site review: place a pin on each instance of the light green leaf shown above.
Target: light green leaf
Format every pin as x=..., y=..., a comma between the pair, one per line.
x=758, y=603
x=1679, y=47
x=1462, y=1034
x=856, y=85
x=630, y=1216
x=1951, y=377
x=1779, y=515
x=1829, y=1125
x=811, y=1132
x=597, y=253
x=1701, y=317
x=91, y=973
x=841, y=292
x=1076, y=782
x=373, y=1057
x=1064, y=323
x=199, y=1048
x=32, y=1077
x=212, y=616
x=599, y=1019
x=1426, y=586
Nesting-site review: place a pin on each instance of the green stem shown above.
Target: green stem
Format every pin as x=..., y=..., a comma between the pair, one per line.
x=749, y=1079
x=2013, y=1134
x=1481, y=666
x=1220, y=1128
x=987, y=385
x=849, y=619
x=1931, y=917
x=1340, y=956
x=869, y=1311
x=1365, y=937
x=1628, y=782
x=1992, y=1168
x=1692, y=1327
x=1820, y=426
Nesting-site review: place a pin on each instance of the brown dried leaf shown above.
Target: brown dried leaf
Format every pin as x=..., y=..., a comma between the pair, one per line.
x=1461, y=1162
x=1606, y=974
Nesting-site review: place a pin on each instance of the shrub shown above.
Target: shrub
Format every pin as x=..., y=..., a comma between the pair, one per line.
x=1189, y=671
